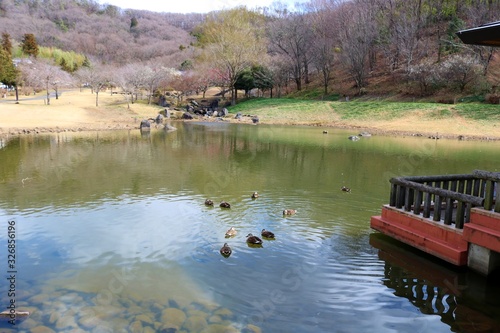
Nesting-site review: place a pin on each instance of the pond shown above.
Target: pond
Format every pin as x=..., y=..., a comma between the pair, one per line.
x=113, y=235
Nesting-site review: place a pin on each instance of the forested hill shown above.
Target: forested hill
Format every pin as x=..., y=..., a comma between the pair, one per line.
x=401, y=48
x=105, y=31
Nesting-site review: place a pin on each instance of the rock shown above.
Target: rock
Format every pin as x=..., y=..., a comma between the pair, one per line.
x=354, y=138
x=187, y=115
x=168, y=328
x=173, y=316
x=89, y=321
x=251, y=329
x=223, y=112
x=148, y=329
x=145, y=319
x=217, y=328
x=66, y=322
x=41, y=329
x=166, y=112
x=145, y=125
x=224, y=313
x=215, y=319
x=28, y=323
x=255, y=119
x=169, y=128
x=366, y=134
x=195, y=103
x=159, y=119
x=195, y=323
x=136, y=327
x=238, y=116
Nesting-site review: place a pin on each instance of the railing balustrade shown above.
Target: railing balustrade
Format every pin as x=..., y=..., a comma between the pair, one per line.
x=446, y=197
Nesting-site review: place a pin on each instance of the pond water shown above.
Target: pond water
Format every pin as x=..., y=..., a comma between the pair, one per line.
x=112, y=233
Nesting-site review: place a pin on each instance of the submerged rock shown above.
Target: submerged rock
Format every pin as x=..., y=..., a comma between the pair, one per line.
x=42, y=329
x=195, y=323
x=173, y=316
x=218, y=328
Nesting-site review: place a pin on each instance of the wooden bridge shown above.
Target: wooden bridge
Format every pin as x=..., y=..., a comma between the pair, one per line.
x=453, y=217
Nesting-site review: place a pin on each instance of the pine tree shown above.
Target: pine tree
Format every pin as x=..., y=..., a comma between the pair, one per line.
x=6, y=43
x=29, y=45
x=8, y=72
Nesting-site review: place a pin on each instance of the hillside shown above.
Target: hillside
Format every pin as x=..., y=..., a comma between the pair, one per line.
x=104, y=32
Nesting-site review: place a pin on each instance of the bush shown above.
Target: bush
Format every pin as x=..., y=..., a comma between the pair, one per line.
x=493, y=98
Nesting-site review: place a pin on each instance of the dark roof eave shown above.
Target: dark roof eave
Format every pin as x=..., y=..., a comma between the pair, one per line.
x=486, y=34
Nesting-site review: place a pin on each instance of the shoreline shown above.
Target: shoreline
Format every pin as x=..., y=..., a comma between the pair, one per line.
x=14, y=132
x=76, y=112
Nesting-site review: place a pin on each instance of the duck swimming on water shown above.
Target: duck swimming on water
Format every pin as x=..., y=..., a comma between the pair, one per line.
x=267, y=234
x=289, y=211
x=251, y=239
x=225, y=250
x=231, y=232
x=224, y=204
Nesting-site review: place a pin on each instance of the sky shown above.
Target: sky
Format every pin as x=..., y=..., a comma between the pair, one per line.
x=192, y=6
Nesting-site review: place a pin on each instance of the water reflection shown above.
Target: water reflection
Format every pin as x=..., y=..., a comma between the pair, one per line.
x=458, y=296
x=117, y=223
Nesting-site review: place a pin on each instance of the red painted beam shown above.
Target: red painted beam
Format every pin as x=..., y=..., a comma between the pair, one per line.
x=435, y=238
x=483, y=229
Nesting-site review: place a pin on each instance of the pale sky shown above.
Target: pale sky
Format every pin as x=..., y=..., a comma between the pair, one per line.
x=193, y=6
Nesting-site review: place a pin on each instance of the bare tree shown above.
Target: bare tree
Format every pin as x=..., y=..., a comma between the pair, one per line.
x=460, y=71
x=96, y=76
x=357, y=38
x=42, y=74
x=290, y=35
x=324, y=45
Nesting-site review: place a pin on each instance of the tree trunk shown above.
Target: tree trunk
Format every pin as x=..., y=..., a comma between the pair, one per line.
x=96, y=98
x=48, y=93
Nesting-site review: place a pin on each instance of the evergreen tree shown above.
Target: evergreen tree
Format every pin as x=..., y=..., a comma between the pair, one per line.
x=8, y=72
x=29, y=45
x=6, y=43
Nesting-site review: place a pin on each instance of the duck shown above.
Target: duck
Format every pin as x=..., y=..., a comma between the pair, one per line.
x=345, y=189
x=231, y=232
x=225, y=250
x=289, y=211
x=255, y=195
x=209, y=202
x=251, y=239
x=224, y=204
x=267, y=234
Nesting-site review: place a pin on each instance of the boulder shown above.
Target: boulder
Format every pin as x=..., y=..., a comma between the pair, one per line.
x=223, y=112
x=238, y=116
x=169, y=128
x=159, y=119
x=145, y=125
x=187, y=115
x=255, y=119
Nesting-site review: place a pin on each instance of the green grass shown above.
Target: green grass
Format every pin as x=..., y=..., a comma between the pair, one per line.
x=475, y=111
x=294, y=108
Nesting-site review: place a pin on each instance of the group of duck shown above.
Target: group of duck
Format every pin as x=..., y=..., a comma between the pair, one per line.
x=251, y=239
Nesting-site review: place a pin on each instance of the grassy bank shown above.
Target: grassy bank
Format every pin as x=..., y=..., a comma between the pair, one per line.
x=76, y=110
x=471, y=120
